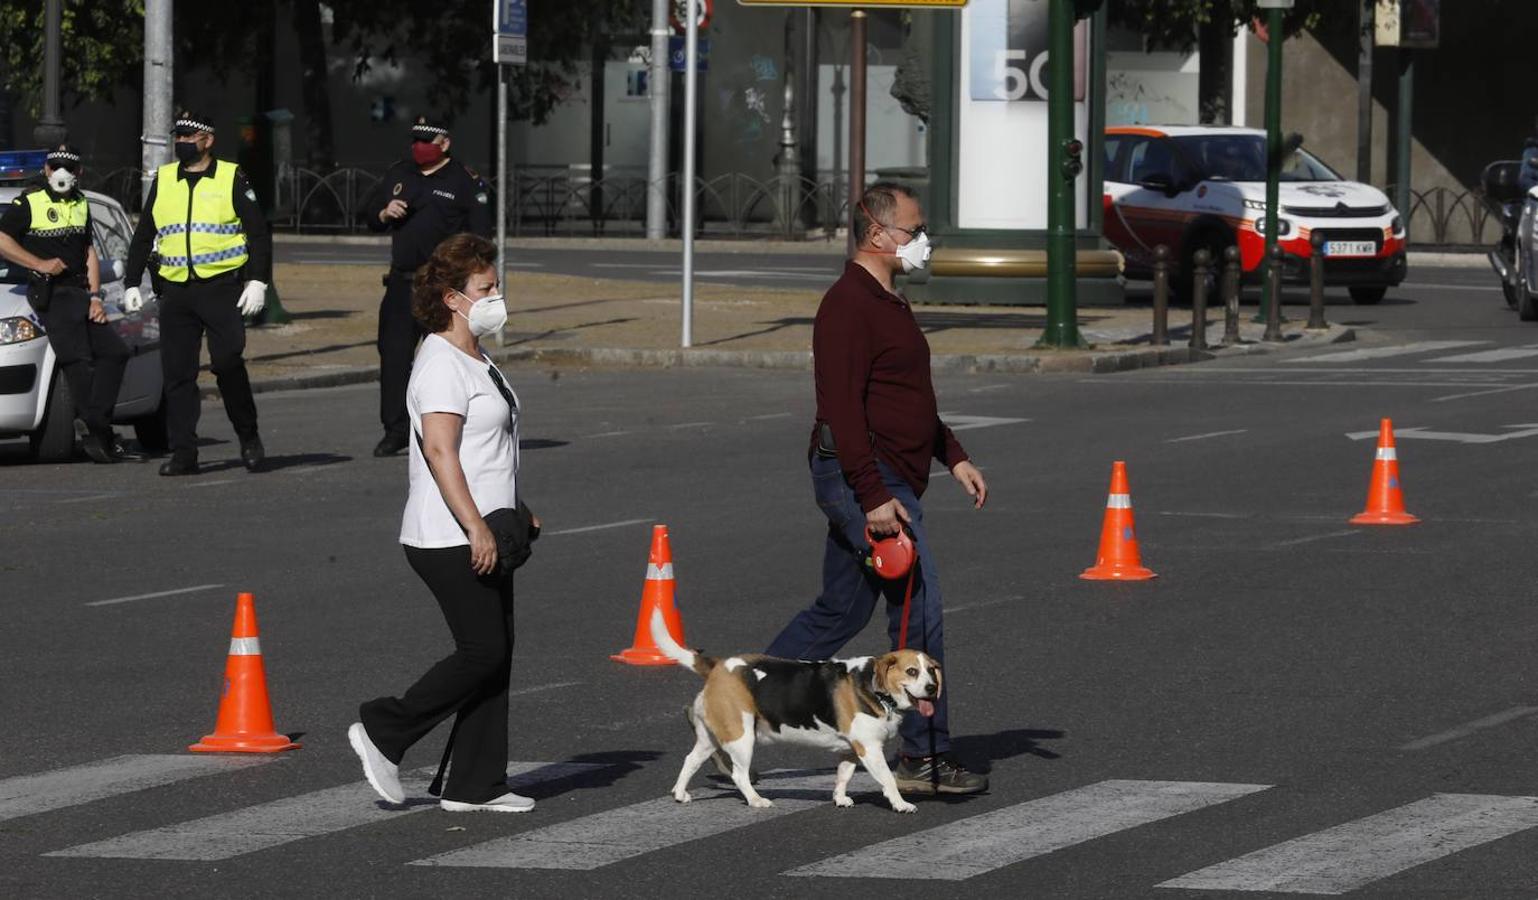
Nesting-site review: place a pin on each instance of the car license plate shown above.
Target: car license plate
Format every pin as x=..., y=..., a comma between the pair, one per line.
x=1350, y=248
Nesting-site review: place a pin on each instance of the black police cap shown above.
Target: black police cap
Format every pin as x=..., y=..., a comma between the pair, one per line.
x=188, y=122
x=65, y=157
x=427, y=129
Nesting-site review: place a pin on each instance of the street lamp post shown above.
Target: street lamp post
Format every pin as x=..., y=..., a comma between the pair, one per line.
x=1274, y=10
x=50, y=131
x=1064, y=165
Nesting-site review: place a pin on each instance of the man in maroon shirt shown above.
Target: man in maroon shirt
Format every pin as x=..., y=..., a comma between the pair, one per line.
x=877, y=430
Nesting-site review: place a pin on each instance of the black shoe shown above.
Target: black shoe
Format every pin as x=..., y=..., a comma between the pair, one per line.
x=390, y=444
x=93, y=445
x=179, y=465
x=936, y=775
x=252, y=453
x=122, y=453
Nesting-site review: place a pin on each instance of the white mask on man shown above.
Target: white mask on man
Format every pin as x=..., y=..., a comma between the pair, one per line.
x=487, y=315
x=915, y=253
x=62, y=181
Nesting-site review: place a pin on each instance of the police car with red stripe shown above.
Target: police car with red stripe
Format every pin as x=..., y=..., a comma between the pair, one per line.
x=35, y=400
x=1198, y=187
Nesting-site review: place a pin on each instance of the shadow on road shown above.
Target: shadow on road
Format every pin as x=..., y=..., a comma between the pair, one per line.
x=984, y=749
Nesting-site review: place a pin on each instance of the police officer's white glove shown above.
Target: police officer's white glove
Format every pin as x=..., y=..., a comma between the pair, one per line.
x=132, y=301
x=253, y=298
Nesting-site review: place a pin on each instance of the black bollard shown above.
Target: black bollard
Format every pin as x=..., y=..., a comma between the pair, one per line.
x=1274, y=313
x=1201, y=269
x=1316, y=284
x=1161, y=303
x=1231, y=273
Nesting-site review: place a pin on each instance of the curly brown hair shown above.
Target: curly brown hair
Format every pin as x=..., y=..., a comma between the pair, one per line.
x=449, y=269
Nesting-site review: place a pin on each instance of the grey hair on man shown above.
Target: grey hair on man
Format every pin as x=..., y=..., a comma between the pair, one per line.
x=877, y=205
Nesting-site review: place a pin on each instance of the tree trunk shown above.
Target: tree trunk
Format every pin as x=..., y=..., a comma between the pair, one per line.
x=1215, y=42
x=315, y=82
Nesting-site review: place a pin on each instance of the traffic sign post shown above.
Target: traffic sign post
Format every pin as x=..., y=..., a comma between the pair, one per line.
x=509, y=47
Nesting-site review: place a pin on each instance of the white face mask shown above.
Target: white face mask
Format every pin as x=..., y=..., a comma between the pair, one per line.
x=915, y=253
x=62, y=181
x=487, y=315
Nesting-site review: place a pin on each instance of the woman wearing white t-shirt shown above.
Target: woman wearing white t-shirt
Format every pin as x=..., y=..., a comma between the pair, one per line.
x=464, y=464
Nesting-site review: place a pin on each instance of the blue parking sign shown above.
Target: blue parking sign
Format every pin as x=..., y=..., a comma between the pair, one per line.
x=676, y=54
x=510, y=30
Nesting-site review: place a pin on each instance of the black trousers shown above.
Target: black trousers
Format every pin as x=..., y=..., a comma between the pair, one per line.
x=472, y=681
x=91, y=356
x=187, y=310
x=399, y=334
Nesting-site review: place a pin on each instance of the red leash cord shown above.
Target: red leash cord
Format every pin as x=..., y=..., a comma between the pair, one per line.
x=902, y=632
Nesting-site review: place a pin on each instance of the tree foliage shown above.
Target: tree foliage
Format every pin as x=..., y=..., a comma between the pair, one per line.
x=451, y=39
x=1173, y=24
x=102, y=43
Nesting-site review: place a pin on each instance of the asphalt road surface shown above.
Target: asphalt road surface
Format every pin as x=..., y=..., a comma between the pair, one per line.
x=1294, y=707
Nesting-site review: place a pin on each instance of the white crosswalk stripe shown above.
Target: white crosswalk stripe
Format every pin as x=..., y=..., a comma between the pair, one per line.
x=1365, y=353
x=609, y=837
x=268, y=825
x=1500, y=354
x=27, y=795
x=1349, y=856
x=983, y=843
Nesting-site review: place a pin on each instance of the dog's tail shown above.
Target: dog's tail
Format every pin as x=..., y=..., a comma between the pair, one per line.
x=689, y=659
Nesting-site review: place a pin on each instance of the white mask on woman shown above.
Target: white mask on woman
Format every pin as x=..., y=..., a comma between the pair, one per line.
x=487, y=315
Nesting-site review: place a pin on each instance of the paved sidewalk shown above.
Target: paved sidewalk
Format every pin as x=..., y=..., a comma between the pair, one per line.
x=576, y=321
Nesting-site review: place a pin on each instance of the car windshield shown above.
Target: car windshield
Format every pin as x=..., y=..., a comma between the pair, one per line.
x=1242, y=157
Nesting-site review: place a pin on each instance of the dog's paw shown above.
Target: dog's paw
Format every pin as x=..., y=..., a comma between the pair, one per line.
x=843, y=801
x=682, y=796
x=761, y=803
x=904, y=806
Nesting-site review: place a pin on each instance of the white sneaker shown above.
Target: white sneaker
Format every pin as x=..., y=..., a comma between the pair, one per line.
x=383, y=776
x=508, y=802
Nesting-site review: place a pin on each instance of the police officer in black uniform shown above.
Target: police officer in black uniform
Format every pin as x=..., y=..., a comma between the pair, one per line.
x=214, y=255
x=420, y=201
x=47, y=230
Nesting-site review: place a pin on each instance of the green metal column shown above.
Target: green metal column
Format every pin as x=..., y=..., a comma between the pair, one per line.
x=1062, y=329
x=1273, y=144
x=1403, y=140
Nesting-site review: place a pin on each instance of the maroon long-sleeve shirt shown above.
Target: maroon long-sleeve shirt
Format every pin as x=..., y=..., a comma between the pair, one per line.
x=874, y=389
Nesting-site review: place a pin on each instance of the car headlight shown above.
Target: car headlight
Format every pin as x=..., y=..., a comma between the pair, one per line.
x=1397, y=226
x=1283, y=226
x=18, y=330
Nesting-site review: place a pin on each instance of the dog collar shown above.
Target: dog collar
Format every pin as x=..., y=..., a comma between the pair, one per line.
x=887, y=701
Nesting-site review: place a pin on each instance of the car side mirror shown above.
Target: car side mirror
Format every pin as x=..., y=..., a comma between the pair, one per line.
x=1160, y=182
x=1292, y=144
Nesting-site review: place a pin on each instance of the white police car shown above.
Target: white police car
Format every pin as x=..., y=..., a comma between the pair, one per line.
x=1201, y=187
x=35, y=400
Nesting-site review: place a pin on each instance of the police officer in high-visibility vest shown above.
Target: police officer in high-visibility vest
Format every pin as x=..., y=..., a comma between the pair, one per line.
x=420, y=201
x=47, y=230
x=215, y=261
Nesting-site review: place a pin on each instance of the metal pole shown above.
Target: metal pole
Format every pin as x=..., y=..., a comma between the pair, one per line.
x=155, y=150
x=1364, y=93
x=856, y=119
x=1062, y=328
x=502, y=187
x=657, y=164
x=1161, y=300
x=1202, y=266
x=691, y=91
x=1402, y=196
x=790, y=143
x=50, y=131
x=1316, y=283
x=1273, y=144
x=1231, y=275
x=1274, y=284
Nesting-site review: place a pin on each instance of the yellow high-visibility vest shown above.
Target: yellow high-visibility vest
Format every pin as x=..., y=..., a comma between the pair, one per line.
x=198, y=228
x=57, y=218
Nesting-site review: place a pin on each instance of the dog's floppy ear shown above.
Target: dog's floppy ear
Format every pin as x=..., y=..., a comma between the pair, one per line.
x=883, y=666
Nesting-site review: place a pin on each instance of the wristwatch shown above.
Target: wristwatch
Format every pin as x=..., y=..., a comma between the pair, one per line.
x=96, y=295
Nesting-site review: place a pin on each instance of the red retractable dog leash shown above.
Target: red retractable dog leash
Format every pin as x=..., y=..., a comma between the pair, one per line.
x=892, y=557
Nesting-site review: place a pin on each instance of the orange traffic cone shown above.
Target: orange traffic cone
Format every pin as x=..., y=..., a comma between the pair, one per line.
x=245, y=714
x=1385, y=501
x=1118, y=559
x=658, y=594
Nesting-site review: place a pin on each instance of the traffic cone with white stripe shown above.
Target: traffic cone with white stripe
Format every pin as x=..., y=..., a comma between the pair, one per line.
x=1385, y=500
x=245, y=713
x=658, y=595
x=1118, y=559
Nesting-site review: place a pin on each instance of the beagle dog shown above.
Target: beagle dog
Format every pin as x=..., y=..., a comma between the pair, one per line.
x=849, y=706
